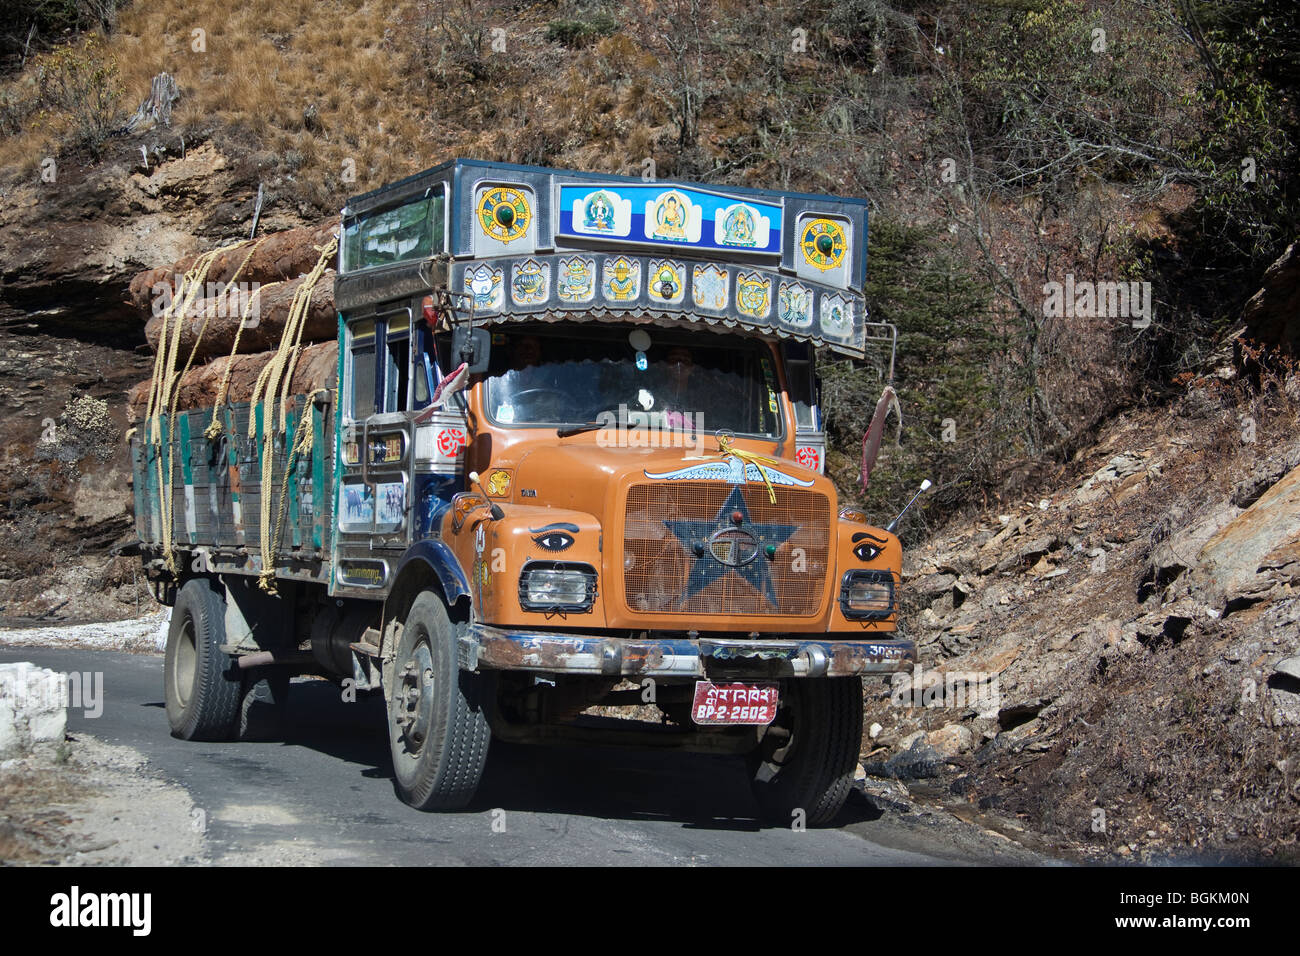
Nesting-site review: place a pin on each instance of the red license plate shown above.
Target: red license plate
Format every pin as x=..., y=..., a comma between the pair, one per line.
x=734, y=703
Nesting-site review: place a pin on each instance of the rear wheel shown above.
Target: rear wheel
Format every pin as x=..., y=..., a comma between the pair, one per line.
x=437, y=721
x=202, y=687
x=808, y=755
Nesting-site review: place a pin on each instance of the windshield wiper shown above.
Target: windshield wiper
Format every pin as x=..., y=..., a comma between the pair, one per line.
x=569, y=430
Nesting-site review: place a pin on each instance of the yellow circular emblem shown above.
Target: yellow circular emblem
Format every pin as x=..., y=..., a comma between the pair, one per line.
x=504, y=213
x=823, y=243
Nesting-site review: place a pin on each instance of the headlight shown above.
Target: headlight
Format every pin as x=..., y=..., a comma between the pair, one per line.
x=867, y=595
x=556, y=586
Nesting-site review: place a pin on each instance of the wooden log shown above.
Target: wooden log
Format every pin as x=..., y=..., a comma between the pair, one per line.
x=271, y=306
x=282, y=255
x=317, y=368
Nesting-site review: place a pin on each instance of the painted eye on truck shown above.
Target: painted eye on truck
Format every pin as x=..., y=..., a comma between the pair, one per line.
x=868, y=546
x=867, y=551
x=553, y=540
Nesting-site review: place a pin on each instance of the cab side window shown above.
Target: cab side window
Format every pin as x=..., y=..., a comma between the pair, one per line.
x=361, y=357
x=397, y=369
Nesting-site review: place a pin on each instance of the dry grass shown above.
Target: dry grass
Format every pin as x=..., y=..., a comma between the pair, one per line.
x=262, y=64
x=395, y=86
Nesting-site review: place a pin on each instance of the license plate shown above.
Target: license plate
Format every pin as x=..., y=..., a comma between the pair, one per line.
x=734, y=703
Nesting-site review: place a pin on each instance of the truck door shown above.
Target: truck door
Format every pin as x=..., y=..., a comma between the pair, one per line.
x=374, y=503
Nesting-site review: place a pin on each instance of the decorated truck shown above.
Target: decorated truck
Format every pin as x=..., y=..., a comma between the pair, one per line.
x=562, y=460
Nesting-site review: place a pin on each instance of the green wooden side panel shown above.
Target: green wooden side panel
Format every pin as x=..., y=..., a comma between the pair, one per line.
x=318, y=492
x=292, y=512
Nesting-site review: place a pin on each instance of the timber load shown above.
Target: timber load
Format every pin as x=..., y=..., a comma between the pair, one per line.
x=262, y=313
x=317, y=367
x=279, y=257
x=253, y=321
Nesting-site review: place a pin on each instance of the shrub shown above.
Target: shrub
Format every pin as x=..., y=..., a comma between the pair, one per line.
x=580, y=33
x=80, y=82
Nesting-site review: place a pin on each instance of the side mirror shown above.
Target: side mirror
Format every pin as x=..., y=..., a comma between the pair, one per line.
x=876, y=431
x=473, y=347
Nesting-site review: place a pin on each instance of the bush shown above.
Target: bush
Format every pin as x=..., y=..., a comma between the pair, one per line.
x=945, y=378
x=32, y=25
x=80, y=82
x=580, y=33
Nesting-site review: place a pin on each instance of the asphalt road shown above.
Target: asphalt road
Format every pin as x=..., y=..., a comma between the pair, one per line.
x=324, y=794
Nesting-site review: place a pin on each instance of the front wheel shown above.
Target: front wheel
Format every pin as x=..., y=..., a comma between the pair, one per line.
x=437, y=721
x=803, y=766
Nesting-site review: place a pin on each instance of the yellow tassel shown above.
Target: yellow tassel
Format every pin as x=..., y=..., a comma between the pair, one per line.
x=749, y=457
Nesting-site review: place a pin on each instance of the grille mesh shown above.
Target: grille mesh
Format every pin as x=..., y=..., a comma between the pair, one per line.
x=657, y=565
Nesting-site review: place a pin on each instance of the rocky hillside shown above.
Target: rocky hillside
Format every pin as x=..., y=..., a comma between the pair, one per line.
x=71, y=339
x=1116, y=663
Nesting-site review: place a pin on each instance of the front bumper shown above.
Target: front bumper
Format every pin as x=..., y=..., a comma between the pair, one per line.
x=492, y=648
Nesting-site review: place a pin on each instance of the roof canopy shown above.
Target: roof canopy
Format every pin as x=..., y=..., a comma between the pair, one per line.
x=525, y=243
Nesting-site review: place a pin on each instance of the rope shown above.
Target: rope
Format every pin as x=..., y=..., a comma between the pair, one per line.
x=213, y=431
x=749, y=457
x=266, y=579
x=207, y=317
x=269, y=379
x=307, y=289
x=165, y=380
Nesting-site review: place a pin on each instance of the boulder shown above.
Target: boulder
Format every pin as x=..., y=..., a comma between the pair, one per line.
x=918, y=762
x=33, y=707
x=950, y=740
x=1258, y=549
x=1272, y=316
x=1289, y=667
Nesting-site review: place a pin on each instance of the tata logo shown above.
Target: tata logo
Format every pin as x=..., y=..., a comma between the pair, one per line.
x=733, y=547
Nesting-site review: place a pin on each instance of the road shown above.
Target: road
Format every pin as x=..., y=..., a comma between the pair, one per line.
x=324, y=794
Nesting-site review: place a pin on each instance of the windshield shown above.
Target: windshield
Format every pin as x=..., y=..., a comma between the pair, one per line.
x=571, y=375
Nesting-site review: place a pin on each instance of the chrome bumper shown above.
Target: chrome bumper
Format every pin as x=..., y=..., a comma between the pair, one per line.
x=491, y=648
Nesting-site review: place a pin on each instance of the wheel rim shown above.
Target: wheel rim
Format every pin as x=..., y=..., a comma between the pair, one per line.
x=414, y=698
x=187, y=656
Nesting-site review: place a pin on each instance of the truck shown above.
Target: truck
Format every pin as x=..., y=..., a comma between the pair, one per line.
x=571, y=464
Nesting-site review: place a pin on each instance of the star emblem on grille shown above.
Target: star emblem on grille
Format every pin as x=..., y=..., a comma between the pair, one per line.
x=708, y=567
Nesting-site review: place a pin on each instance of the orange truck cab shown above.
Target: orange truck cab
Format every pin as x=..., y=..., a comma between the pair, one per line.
x=576, y=472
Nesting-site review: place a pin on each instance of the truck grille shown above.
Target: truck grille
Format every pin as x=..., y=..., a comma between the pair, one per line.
x=670, y=568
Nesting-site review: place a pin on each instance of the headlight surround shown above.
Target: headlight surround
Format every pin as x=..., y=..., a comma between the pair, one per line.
x=552, y=586
x=867, y=595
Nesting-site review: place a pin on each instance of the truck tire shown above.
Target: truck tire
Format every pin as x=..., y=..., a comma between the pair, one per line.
x=201, y=686
x=808, y=756
x=437, y=714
